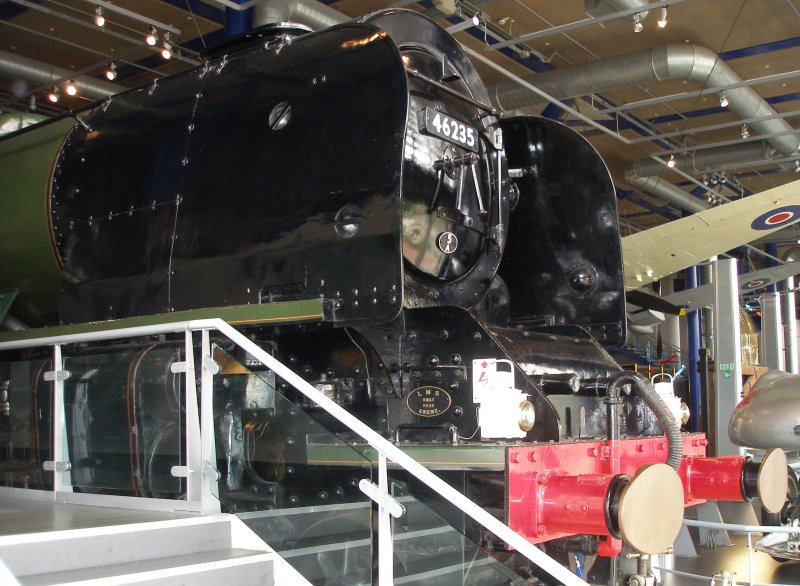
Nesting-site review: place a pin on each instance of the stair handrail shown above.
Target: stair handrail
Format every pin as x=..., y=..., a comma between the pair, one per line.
x=373, y=438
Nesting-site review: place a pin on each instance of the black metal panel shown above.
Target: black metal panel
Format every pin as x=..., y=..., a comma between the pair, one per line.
x=435, y=347
x=563, y=262
x=113, y=201
x=468, y=202
x=228, y=205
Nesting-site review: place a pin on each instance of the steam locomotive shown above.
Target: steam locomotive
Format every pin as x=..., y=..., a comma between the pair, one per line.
x=464, y=270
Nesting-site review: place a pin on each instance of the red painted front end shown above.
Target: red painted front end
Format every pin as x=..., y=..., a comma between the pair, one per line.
x=558, y=490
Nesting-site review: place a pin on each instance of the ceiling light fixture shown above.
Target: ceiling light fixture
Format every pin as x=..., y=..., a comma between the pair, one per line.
x=166, y=48
x=672, y=162
x=476, y=19
x=99, y=19
x=745, y=132
x=70, y=88
x=705, y=178
x=54, y=95
x=637, y=23
x=662, y=19
x=111, y=72
x=723, y=100
x=152, y=37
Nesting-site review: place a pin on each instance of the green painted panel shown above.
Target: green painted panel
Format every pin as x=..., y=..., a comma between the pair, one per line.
x=27, y=259
x=6, y=301
x=485, y=457
x=238, y=315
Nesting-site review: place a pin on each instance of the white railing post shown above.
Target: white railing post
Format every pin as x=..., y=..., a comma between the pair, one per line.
x=385, y=538
x=60, y=466
x=210, y=476
x=194, y=455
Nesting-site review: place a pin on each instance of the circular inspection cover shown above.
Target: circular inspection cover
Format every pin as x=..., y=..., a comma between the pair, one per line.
x=772, y=480
x=651, y=509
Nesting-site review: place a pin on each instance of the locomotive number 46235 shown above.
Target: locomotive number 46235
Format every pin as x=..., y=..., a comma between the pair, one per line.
x=450, y=129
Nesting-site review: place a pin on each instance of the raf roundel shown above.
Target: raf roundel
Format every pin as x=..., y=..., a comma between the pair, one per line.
x=776, y=218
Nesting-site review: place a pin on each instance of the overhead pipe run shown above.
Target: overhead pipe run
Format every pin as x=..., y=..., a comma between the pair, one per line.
x=19, y=67
x=668, y=192
x=705, y=159
x=311, y=13
x=690, y=62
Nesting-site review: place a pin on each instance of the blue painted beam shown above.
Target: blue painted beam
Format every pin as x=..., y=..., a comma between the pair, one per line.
x=760, y=49
x=199, y=8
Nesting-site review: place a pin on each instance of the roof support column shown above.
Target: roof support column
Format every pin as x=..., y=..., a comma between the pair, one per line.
x=789, y=314
x=771, y=332
x=727, y=352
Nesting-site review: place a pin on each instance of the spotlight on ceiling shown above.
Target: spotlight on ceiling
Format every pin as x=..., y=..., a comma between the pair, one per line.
x=723, y=100
x=745, y=132
x=166, y=48
x=672, y=162
x=99, y=19
x=152, y=37
x=637, y=23
x=705, y=178
x=53, y=95
x=476, y=19
x=70, y=88
x=111, y=72
x=662, y=19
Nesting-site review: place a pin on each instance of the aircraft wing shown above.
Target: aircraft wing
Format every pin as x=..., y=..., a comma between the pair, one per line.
x=666, y=249
x=703, y=296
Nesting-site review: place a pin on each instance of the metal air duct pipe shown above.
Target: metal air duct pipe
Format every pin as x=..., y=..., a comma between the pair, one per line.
x=18, y=67
x=311, y=13
x=705, y=159
x=668, y=192
x=692, y=62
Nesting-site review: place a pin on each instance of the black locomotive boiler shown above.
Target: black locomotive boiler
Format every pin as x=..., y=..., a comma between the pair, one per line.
x=465, y=271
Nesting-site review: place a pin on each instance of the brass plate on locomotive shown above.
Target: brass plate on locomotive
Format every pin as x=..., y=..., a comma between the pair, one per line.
x=429, y=401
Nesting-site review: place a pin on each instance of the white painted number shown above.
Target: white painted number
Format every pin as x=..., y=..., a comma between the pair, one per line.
x=453, y=129
x=437, y=122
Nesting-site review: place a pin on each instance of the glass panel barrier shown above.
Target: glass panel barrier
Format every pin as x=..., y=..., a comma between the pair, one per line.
x=290, y=479
x=431, y=545
x=125, y=421
x=25, y=424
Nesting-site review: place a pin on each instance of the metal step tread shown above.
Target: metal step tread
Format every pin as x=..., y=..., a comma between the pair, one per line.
x=181, y=564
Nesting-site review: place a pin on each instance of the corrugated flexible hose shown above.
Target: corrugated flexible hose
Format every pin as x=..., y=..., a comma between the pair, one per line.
x=645, y=390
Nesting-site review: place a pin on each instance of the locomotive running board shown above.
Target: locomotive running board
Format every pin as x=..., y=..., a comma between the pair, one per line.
x=238, y=315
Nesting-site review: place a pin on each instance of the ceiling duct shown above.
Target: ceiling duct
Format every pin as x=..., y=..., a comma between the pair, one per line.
x=691, y=62
x=668, y=192
x=597, y=8
x=311, y=13
x=19, y=67
x=706, y=159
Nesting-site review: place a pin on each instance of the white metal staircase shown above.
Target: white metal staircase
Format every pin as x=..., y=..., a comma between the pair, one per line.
x=204, y=550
